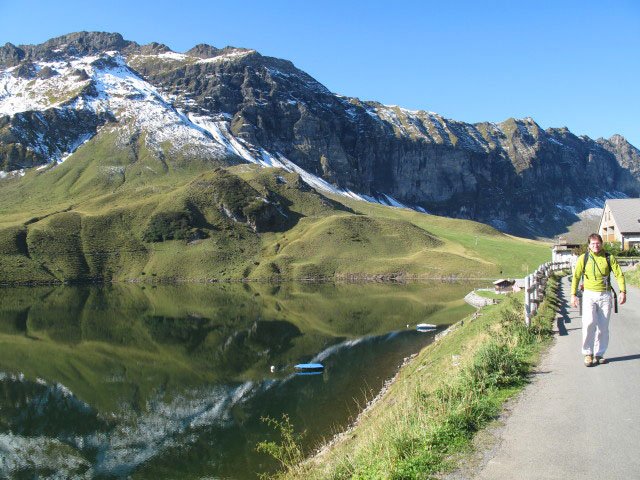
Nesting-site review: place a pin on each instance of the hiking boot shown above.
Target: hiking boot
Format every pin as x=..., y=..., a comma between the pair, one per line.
x=600, y=360
x=588, y=361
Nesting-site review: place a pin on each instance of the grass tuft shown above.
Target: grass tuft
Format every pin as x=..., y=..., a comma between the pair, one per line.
x=288, y=452
x=633, y=277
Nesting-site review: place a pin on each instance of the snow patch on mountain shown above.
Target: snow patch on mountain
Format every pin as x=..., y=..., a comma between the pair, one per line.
x=591, y=206
x=134, y=102
x=142, y=107
x=171, y=56
x=226, y=57
x=18, y=94
x=13, y=173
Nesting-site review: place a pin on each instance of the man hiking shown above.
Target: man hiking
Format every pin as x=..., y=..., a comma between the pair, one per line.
x=595, y=266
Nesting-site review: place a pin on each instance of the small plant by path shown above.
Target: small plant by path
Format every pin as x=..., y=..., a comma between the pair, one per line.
x=288, y=452
x=633, y=276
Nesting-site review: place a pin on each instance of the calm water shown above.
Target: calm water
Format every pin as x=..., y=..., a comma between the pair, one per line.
x=141, y=381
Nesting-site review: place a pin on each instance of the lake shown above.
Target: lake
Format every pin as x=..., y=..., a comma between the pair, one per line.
x=171, y=381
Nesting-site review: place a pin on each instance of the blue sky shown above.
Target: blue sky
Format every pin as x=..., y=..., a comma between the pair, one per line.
x=564, y=63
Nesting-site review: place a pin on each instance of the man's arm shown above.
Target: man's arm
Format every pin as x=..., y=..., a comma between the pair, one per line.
x=617, y=271
x=577, y=275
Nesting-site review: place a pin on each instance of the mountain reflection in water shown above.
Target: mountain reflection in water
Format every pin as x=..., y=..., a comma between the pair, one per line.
x=149, y=381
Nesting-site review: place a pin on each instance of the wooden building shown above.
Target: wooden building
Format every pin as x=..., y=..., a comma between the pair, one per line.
x=503, y=285
x=562, y=251
x=620, y=222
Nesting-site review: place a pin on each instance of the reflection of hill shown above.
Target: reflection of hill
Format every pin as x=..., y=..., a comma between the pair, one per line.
x=173, y=336
x=203, y=430
x=177, y=369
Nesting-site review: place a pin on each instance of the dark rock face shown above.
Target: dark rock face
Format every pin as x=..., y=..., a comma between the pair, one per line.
x=10, y=55
x=26, y=70
x=32, y=138
x=207, y=51
x=154, y=48
x=77, y=44
x=46, y=73
x=81, y=75
x=626, y=154
x=204, y=51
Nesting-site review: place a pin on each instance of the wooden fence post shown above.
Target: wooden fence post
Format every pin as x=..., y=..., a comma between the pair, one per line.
x=527, y=300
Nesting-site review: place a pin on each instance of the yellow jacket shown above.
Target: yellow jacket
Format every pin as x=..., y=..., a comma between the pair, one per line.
x=595, y=273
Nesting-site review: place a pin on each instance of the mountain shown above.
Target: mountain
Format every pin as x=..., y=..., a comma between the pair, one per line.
x=233, y=105
x=91, y=123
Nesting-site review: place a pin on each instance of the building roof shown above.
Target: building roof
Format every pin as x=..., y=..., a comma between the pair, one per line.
x=626, y=212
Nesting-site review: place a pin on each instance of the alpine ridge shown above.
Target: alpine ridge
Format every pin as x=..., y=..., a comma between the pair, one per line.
x=229, y=106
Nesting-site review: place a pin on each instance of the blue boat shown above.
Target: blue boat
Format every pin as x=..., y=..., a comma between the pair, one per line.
x=309, y=367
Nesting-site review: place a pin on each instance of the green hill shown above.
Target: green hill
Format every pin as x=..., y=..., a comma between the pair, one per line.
x=127, y=213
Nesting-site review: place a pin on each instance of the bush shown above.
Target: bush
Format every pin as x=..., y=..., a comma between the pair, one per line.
x=612, y=249
x=616, y=249
x=632, y=252
x=168, y=226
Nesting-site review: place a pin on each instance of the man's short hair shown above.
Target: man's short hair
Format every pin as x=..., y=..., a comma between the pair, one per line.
x=594, y=236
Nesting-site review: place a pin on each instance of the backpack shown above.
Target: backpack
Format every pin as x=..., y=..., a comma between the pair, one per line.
x=584, y=268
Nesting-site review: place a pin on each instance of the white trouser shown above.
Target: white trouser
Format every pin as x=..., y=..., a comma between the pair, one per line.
x=596, y=310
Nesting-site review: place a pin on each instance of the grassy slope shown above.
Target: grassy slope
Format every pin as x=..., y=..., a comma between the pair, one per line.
x=439, y=400
x=467, y=246
x=91, y=217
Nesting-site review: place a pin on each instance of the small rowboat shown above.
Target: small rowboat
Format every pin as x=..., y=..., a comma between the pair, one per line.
x=425, y=327
x=309, y=367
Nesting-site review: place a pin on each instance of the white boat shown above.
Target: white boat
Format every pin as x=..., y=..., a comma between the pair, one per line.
x=425, y=327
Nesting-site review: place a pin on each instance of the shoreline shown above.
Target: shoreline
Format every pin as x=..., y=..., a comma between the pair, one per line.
x=383, y=392
x=321, y=279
